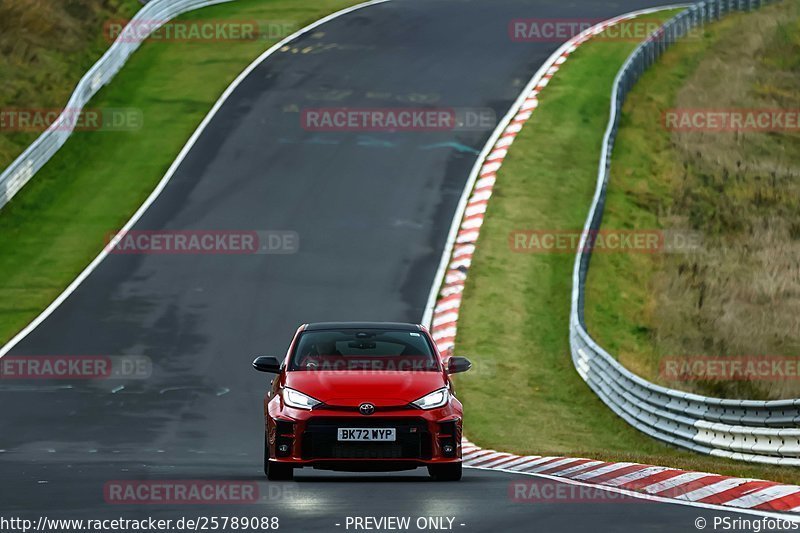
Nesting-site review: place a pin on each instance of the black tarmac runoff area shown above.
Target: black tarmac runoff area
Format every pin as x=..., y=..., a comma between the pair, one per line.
x=370, y=211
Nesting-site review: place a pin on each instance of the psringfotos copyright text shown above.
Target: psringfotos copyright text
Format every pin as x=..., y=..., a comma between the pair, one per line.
x=745, y=523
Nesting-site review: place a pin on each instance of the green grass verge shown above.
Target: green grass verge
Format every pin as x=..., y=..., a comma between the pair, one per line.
x=57, y=224
x=515, y=310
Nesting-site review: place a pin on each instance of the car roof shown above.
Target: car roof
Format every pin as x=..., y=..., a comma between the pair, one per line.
x=397, y=326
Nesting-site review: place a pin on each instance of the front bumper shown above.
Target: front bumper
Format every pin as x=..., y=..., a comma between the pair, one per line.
x=309, y=438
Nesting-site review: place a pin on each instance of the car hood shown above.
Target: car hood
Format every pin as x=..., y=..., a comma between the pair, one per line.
x=352, y=388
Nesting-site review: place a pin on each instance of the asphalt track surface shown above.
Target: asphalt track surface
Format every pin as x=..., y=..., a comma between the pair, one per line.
x=372, y=211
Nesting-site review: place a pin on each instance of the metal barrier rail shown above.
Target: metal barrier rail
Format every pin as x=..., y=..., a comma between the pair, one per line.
x=155, y=13
x=748, y=430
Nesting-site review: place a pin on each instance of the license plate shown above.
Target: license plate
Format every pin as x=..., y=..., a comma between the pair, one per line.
x=367, y=434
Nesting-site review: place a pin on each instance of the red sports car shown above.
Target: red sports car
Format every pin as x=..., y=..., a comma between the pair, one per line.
x=360, y=396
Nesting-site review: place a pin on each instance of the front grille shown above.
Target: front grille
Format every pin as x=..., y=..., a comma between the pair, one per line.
x=320, y=442
x=366, y=450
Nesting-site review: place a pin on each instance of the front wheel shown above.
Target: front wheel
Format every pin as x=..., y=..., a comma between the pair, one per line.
x=276, y=471
x=445, y=472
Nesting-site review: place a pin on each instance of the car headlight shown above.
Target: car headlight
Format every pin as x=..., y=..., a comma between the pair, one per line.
x=437, y=398
x=298, y=400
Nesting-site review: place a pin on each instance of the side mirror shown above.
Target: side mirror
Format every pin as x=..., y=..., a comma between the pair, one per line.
x=458, y=364
x=267, y=363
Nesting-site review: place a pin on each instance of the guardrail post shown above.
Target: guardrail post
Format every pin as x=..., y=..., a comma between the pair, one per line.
x=674, y=33
x=650, y=55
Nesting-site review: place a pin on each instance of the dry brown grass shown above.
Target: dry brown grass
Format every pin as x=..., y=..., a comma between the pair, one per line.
x=739, y=296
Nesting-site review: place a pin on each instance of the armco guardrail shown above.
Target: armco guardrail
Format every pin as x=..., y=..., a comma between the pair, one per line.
x=749, y=430
x=155, y=14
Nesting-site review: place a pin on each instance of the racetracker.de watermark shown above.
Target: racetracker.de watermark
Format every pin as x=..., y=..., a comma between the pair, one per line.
x=481, y=366
x=727, y=120
x=559, y=30
x=203, y=242
x=549, y=492
x=180, y=492
x=603, y=241
x=71, y=119
x=735, y=368
x=389, y=119
x=75, y=367
x=210, y=30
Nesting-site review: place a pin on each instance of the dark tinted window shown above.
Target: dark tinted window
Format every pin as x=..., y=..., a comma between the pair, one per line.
x=363, y=349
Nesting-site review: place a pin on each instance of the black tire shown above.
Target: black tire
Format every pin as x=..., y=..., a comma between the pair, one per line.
x=276, y=471
x=279, y=471
x=445, y=472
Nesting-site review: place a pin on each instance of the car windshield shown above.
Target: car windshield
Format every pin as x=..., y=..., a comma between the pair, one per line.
x=363, y=349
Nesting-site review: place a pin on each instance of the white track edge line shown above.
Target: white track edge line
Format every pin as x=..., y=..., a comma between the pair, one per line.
x=173, y=168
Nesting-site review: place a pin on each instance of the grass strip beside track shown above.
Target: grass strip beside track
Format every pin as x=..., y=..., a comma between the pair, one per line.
x=525, y=396
x=59, y=222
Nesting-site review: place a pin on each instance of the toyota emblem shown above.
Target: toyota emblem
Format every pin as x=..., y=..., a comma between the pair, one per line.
x=366, y=409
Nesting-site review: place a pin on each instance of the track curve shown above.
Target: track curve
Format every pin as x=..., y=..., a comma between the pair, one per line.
x=372, y=211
